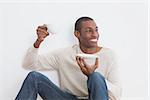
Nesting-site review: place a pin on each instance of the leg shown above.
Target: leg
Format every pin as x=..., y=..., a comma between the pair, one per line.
x=36, y=83
x=97, y=87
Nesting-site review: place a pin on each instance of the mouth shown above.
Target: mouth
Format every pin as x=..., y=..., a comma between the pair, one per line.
x=93, y=40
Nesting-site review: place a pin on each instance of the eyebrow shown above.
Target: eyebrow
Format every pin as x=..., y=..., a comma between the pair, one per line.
x=91, y=28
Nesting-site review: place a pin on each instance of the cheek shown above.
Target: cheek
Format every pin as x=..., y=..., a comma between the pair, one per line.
x=84, y=41
x=85, y=38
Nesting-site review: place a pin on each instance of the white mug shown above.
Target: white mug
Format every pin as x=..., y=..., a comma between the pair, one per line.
x=50, y=28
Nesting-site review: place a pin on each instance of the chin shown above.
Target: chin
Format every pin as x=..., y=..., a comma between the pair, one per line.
x=93, y=45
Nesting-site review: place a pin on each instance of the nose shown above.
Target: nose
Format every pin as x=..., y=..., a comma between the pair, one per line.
x=95, y=34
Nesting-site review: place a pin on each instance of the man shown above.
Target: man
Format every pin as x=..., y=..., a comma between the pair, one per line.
x=77, y=79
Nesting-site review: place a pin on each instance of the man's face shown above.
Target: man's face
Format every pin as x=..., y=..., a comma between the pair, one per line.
x=88, y=34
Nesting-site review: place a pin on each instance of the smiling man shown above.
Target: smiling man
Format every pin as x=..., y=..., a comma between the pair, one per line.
x=78, y=80
x=87, y=33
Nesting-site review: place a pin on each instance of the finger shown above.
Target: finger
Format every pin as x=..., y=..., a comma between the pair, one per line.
x=83, y=69
x=43, y=32
x=96, y=63
x=82, y=60
x=79, y=62
x=77, y=59
x=43, y=27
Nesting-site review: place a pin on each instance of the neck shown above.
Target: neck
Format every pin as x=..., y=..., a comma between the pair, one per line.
x=90, y=50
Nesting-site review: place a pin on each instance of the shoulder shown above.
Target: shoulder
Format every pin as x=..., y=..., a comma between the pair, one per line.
x=109, y=53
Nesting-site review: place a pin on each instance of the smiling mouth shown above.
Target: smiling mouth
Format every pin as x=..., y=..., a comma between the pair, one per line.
x=93, y=40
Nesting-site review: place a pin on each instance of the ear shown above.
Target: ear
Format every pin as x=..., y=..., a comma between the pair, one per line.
x=77, y=34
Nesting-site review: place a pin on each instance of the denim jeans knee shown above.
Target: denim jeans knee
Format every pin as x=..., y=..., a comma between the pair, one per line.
x=97, y=87
x=96, y=75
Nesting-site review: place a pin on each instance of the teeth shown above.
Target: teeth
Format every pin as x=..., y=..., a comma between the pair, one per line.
x=93, y=40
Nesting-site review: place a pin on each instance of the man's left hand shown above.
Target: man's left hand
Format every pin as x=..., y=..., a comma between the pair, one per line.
x=86, y=69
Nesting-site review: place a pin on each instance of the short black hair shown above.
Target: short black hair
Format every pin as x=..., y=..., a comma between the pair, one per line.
x=79, y=21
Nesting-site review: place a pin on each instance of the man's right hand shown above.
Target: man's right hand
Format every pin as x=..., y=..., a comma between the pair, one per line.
x=41, y=35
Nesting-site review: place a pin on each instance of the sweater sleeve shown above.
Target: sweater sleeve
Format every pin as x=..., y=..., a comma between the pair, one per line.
x=113, y=80
x=34, y=61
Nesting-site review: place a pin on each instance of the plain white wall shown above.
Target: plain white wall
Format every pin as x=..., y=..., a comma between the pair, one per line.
x=122, y=27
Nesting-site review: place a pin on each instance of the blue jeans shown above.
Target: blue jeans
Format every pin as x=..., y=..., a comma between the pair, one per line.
x=36, y=83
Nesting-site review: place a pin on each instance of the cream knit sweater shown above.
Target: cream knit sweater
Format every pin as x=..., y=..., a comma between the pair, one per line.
x=70, y=75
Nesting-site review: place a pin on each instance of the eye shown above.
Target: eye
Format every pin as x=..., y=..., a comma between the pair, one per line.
x=89, y=30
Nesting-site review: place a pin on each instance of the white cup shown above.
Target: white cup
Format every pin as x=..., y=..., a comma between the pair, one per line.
x=88, y=58
x=50, y=29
